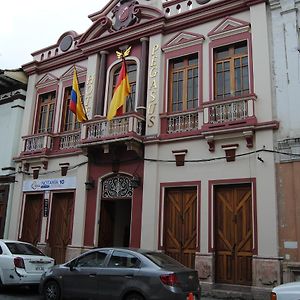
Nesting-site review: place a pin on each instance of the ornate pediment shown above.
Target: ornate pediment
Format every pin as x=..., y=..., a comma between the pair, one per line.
x=46, y=80
x=124, y=14
x=120, y=16
x=183, y=39
x=69, y=73
x=229, y=26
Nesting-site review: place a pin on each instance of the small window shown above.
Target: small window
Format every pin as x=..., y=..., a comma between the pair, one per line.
x=231, y=71
x=183, y=83
x=91, y=260
x=121, y=259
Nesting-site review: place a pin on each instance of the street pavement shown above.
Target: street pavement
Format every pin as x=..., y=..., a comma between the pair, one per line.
x=26, y=293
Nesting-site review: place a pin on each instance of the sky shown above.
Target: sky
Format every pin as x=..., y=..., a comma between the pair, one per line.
x=30, y=25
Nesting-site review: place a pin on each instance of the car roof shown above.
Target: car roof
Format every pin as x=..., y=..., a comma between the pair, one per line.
x=139, y=250
x=13, y=241
x=288, y=286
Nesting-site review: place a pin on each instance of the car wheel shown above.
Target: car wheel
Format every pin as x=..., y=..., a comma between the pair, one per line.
x=134, y=296
x=51, y=290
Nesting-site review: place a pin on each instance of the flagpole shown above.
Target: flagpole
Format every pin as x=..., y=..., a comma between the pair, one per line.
x=80, y=93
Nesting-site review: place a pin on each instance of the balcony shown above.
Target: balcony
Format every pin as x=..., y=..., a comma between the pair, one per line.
x=48, y=144
x=180, y=124
x=68, y=140
x=37, y=144
x=96, y=131
x=102, y=131
x=231, y=113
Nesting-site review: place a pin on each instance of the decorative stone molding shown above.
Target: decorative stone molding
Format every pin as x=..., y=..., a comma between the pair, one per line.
x=211, y=143
x=249, y=138
x=64, y=168
x=36, y=171
x=180, y=156
x=228, y=27
x=230, y=151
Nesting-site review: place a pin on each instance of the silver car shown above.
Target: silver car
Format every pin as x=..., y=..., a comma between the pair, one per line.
x=286, y=291
x=21, y=263
x=118, y=273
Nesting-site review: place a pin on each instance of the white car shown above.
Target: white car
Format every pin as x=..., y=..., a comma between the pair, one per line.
x=21, y=263
x=286, y=291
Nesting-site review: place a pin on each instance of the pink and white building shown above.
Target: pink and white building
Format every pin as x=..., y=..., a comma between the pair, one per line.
x=187, y=169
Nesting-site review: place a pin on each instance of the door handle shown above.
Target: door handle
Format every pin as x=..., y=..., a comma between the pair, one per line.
x=92, y=275
x=233, y=250
x=128, y=276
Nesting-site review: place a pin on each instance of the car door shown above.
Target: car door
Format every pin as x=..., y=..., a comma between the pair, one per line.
x=81, y=280
x=119, y=275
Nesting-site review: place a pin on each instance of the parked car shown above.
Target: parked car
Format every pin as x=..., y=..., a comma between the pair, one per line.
x=121, y=273
x=21, y=263
x=286, y=291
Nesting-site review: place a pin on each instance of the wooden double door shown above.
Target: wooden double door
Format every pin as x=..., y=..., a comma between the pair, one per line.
x=180, y=225
x=60, y=229
x=60, y=226
x=32, y=218
x=233, y=234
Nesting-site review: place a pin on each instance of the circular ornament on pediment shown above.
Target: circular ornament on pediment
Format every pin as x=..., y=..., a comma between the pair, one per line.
x=66, y=43
x=202, y=1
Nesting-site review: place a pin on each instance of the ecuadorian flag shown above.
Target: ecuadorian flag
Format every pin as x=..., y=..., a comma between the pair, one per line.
x=76, y=105
x=122, y=90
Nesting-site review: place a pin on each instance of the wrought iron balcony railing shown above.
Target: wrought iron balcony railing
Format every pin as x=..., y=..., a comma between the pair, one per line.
x=37, y=143
x=228, y=112
x=102, y=129
x=69, y=140
x=180, y=123
x=97, y=130
x=47, y=143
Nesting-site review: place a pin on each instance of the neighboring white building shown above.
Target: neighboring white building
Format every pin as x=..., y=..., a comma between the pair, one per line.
x=284, y=24
x=187, y=169
x=13, y=85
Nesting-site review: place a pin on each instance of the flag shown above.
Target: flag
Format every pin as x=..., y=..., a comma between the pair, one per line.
x=122, y=90
x=76, y=105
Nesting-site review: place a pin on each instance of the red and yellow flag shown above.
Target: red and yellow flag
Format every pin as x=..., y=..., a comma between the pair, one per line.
x=122, y=90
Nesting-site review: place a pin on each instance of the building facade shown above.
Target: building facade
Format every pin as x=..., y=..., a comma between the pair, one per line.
x=284, y=22
x=188, y=168
x=13, y=85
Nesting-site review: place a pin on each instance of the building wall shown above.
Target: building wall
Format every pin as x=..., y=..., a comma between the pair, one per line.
x=11, y=116
x=205, y=163
x=284, y=20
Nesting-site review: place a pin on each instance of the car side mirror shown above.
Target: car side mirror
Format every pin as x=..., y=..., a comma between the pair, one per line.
x=72, y=265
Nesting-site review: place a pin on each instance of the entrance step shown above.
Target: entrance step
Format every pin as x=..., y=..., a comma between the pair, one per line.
x=234, y=292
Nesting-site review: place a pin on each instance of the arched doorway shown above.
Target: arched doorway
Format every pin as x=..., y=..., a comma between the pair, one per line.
x=115, y=211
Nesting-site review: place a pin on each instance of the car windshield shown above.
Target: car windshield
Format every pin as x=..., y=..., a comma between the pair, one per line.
x=161, y=259
x=26, y=249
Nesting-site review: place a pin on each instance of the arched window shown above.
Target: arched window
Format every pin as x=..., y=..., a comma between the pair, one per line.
x=131, y=71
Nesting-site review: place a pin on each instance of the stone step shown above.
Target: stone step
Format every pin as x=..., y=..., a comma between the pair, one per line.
x=235, y=292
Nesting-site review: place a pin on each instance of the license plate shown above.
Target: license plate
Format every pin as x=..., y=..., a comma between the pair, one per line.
x=39, y=268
